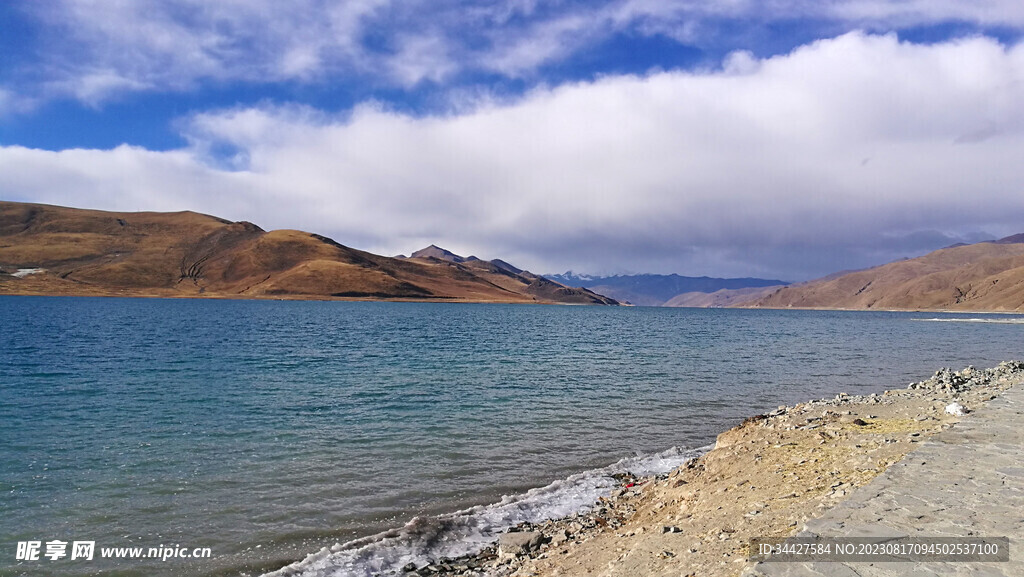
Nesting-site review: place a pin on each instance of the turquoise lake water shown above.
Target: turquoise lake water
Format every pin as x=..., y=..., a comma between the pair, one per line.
x=268, y=430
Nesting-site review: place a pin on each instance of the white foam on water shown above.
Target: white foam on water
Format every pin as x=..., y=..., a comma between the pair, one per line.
x=1009, y=321
x=426, y=539
x=24, y=272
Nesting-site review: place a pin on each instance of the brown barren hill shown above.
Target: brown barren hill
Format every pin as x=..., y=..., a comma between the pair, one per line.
x=51, y=250
x=987, y=276
x=720, y=298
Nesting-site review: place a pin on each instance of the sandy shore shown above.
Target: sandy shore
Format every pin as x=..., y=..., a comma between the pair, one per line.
x=764, y=478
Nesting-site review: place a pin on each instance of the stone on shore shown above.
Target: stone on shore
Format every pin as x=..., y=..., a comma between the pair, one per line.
x=956, y=409
x=518, y=543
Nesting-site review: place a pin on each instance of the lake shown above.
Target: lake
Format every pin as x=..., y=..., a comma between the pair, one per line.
x=266, y=430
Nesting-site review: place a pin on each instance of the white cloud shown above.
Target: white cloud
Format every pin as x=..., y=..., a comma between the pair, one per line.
x=171, y=44
x=784, y=167
x=421, y=58
x=6, y=102
x=12, y=103
x=96, y=49
x=128, y=178
x=888, y=13
x=95, y=87
x=520, y=52
x=915, y=12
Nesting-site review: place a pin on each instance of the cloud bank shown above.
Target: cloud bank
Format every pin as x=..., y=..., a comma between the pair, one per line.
x=844, y=153
x=95, y=50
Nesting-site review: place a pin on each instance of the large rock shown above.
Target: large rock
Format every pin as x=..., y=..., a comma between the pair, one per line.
x=520, y=543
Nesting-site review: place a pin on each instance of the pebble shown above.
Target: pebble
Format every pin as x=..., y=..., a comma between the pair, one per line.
x=956, y=409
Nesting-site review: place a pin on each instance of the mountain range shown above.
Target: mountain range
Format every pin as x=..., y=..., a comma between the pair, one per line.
x=55, y=250
x=660, y=290
x=52, y=250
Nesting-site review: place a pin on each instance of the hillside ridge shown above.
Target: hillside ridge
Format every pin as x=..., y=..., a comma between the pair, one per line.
x=53, y=250
x=984, y=276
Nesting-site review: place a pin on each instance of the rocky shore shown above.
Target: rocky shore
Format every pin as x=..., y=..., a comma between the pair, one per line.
x=764, y=478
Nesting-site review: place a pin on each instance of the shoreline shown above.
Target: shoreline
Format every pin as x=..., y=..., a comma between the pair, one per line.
x=170, y=294
x=879, y=310
x=302, y=298
x=764, y=478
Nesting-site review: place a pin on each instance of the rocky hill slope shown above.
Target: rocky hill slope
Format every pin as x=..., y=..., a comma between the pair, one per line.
x=720, y=298
x=51, y=250
x=986, y=276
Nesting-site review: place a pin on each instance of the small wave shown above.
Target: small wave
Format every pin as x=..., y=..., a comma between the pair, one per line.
x=426, y=539
x=1012, y=321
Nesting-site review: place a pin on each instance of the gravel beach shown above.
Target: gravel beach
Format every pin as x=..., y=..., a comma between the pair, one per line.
x=764, y=478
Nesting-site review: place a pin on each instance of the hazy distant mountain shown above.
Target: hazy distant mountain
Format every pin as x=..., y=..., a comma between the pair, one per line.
x=656, y=289
x=53, y=250
x=986, y=276
x=720, y=298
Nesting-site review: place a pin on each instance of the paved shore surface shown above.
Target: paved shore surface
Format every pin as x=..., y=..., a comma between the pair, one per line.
x=963, y=481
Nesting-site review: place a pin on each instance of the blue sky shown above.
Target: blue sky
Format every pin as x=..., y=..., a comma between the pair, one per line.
x=787, y=139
